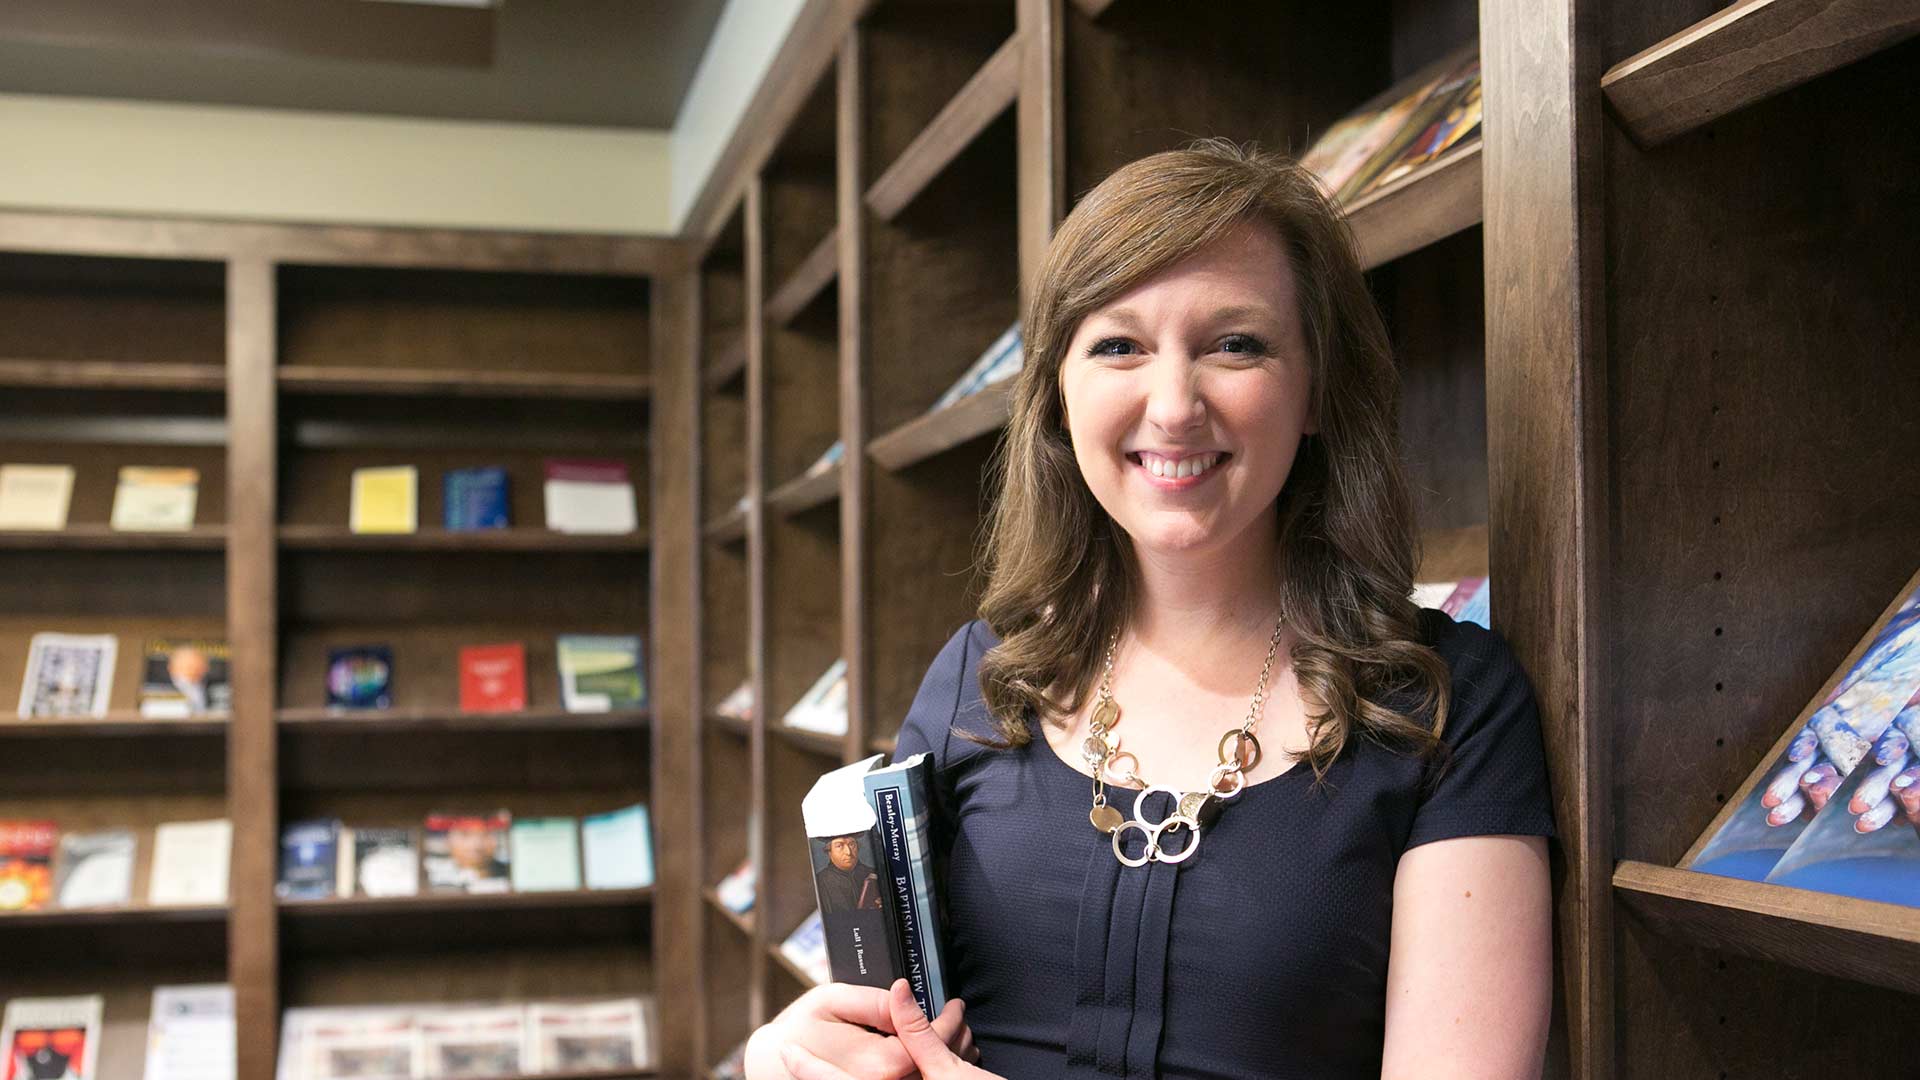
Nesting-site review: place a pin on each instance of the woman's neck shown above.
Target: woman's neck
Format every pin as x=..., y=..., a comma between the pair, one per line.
x=1207, y=605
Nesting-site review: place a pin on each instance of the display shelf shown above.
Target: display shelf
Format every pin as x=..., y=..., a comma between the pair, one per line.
x=1745, y=53
x=110, y=375
x=807, y=282
x=806, y=491
x=525, y=539
x=1093, y=9
x=816, y=742
x=451, y=719
x=117, y=724
x=95, y=537
x=924, y=436
x=743, y=920
x=1430, y=204
x=158, y=917
x=729, y=363
x=990, y=92
x=732, y=725
x=365, y=907
x=1452, y=554
x=729, y=528
x=782, y=963
x=419, y=382
x=1835, y=935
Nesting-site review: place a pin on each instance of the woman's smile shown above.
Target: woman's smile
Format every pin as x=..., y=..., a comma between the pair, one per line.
x=1177, y=471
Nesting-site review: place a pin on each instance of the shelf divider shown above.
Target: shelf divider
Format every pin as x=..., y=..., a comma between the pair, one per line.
x=97, y=537
x=932, y=433
x=1436, y=201
x=989, y=93
x=110, y=375
x=808, y=280
x=806, y=491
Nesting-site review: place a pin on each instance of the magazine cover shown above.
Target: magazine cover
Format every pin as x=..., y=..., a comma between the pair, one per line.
x=51, y=1038
x=386, y=862
x=1832, y=738
x=473, y=1042
x=856, y=907
x=587, y=1037
x=360, y=677
x=493, y=678
x=182, y=677
x=190, y=1033
x=26, y=864
x=68, y=675
x=94, y=869
x=736, y=890
x=601, y=672
x=309, y=860
x=1455, y=120
x=823, y=708
x=474, y=498
x=468, y=852
x=360, y=1045
x=807, y=948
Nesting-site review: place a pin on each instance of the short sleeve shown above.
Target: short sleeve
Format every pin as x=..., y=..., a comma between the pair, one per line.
x=1493, y=778
x=928, y=727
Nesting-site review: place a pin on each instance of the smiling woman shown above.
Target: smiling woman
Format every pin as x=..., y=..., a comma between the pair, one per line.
x=1203, y=544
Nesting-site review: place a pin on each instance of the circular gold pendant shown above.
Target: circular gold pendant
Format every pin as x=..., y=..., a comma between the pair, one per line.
x=1106, y=714
x=1105, y=818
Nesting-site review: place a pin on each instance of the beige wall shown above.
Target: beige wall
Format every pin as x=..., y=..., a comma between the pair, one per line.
x=77, y=154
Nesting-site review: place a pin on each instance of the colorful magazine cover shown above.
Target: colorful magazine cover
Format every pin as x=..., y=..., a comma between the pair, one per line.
x=181, y=678
x=601, y=672
x=51, y=1038
x=360, y=677
x=68, y=675
x=1454, y=119
x=473, y=1042
x=468, y=852
x=26, y=864
x=1840, y=733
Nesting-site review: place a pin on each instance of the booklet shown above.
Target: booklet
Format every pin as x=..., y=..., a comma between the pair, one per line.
x=94, y=869
x=51, y=1037
x=546, y=854
x=190, y=1033
x=35, y=496
x=68, y=675
x=155, y=499
x=619, y=849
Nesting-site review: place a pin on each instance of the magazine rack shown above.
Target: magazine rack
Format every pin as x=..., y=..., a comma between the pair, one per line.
x=1658, y=367
x=277, y=359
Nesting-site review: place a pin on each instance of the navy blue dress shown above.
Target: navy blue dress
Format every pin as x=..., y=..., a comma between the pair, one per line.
x=1266, y=953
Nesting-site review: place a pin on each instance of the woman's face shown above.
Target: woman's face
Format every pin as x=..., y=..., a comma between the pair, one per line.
x=1187, y=396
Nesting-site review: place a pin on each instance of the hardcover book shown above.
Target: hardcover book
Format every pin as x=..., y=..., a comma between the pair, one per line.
x=68, y=675
x=26, y=864
x=151, y=499
x=600, y=672
x=385, y=500
x=619, y=849
x=493, y=678
x=51, y=1038
x=386, y=862
x=182, y=678
x=593, y=1036
x=546, y=854
x=360, y=677
x=190, y=862
x=589, y=496
x=468, y=852
x=474, y=499
x=35, y=497
x=94, y=869
x=309, y=860
x=473, y=1042
x=899, y=795
x=1831, y=738
x=190, y=1033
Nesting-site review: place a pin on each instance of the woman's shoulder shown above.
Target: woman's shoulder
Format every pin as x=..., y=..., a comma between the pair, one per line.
x=949, y=697
x=1478, y=659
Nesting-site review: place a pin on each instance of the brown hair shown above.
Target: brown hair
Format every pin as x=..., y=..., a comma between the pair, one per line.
x=1060, y=571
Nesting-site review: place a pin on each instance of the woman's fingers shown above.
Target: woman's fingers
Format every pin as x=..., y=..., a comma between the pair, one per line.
x=863, y=1005
x=935, y=1059
x=802, y=1065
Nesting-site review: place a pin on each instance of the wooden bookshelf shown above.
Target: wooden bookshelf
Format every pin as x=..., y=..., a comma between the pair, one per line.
x=817, y=742
x=972, y=417
x=743, y=920
x=1433, y=203
x=159, y=917
x=96, y=537
x=442, y=719
x=361, y=907
x=989, y=93
x=783, y=964
x=730, y=363
x=728, y=528
x=109, y=375
x=300, y=379
x=1744, y=53
x=732, y=725
x=807, y=282
x=806, y=491
x=117, y=724
x=522, y=539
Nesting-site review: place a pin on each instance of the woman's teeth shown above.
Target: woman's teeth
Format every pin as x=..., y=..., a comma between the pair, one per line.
x=1170, y=469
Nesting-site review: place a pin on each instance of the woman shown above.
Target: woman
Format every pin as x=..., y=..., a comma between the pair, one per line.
x=1199, y=566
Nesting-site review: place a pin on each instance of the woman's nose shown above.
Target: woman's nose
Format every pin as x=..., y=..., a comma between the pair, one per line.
x=1174, y=403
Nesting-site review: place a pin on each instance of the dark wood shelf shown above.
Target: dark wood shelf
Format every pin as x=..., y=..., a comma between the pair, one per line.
x=1432, y=203
x=933, y=433
x=728, y=528
x=732, y=725
x=1093, y=9
x=341, y=721
x=131, y=915
x=781, y=961
x=298, y=379
x=96, y=537
x=806, y=491
x=808, y=280
x=118, y=724
x=833, y=746
x=1452, y=554
x=1747, y=52
x=1836, y=935
x=360, y=907
x=528, y=539
x=743, y=921
x=728, y=364
x=110, y=375
x=883, y=744
x=989, y=93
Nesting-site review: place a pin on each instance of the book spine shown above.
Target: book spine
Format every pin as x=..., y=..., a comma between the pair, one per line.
x=906, y=851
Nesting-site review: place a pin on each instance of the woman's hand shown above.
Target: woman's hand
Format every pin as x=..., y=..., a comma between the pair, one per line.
x=934, y=1052
x=840, y=1031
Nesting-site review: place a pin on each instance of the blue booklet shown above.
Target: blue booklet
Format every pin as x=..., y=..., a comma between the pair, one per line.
x=476, y=498
x=360, y=677
x=309, y=858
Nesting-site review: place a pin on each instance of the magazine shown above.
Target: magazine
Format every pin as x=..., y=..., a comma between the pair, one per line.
x=68, y=675
x=386, y=862
x=823, y=708
x=26, y=864
x=591, y=1036
x=473, y=1042
x=56, y=1038
x=181, y=678
x=94, y=869
x=190, y=1033
x=468, y=852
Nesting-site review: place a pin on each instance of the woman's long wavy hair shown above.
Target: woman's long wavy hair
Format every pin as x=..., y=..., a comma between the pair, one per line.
x=1061, y=572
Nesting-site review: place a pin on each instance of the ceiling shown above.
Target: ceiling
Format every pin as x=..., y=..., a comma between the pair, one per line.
x=602, y=63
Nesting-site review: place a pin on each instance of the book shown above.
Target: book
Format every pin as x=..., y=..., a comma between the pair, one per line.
x=736, y=891
x=386, y=862
x=592, y=1036
x=385, y=500
x=823, y=708
x=360, y=677
x=310, y=860
x=1448, y=117
x=857, y=906
x=1432, y=594
x=35, y=497
x=94, y=869
x=1001, y=360
x=473, y=1041
x=467, y=852
x=1470, y=601
x=1831, y=737
x=493, y=678
x=149, y=499
x=1354, y=151
x=738, y=704
x=600, y=672
x=376, y=1044
x=55, y=1038
x=619, y=849
x=901, y=800
x=474, y=499
x=26, y=864
x=807, y=948
x=190, y=1033
x=589, y=496
x=68, y=675
x=190, y=862
x=182, y=678
x=546, y=854
x=827, y=459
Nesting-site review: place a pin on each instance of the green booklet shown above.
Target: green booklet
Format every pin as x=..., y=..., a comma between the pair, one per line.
x=601, y=672
x=546, y=854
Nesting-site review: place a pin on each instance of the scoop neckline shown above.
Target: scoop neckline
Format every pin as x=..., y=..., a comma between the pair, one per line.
x=1039, y=736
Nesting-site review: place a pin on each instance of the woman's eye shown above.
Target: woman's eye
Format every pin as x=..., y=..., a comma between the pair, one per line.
x=1113, y=347
x=1244, y=345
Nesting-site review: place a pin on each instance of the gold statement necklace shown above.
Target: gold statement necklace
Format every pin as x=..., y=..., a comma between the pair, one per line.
x=1238, y=752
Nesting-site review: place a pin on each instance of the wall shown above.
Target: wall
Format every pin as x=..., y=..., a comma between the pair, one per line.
x=744, y=42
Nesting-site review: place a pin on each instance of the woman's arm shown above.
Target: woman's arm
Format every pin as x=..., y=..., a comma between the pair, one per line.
x=1470, y=971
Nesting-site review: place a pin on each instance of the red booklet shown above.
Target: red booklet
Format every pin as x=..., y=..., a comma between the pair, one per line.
x=26, y=864
x=493, y=678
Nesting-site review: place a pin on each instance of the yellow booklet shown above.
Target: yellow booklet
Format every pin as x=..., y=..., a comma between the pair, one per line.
x=385, y=500
x=35, y=496
x=155, y=499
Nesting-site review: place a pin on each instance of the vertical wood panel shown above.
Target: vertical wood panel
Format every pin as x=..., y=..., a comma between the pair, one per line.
x=851, y=211
x=757, y=582
x=1042, y=134
x=252, y=795
x=1546, y=430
